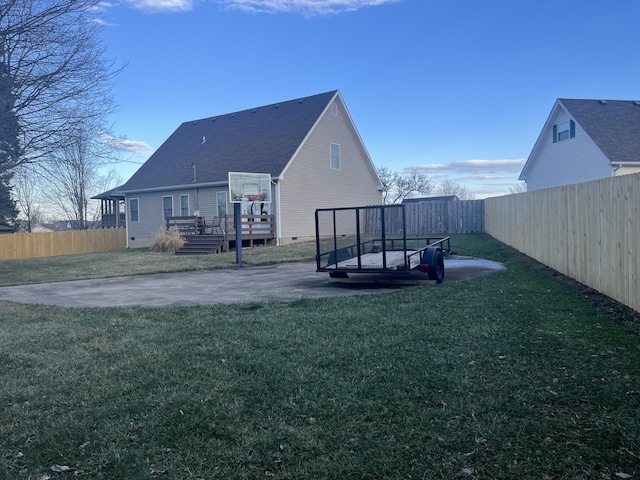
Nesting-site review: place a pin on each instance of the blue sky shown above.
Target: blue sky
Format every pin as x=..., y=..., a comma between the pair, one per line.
x=459, y=89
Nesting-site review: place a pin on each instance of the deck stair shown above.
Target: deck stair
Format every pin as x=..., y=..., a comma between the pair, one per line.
x=201, y=244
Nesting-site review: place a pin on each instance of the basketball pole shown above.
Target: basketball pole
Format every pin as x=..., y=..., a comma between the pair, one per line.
x=237, y=224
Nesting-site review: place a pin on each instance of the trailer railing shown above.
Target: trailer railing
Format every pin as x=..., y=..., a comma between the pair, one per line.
x=361, y=239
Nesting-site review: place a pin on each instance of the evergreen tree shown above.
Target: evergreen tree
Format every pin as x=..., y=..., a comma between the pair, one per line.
x=8, y=210
x=9, y=146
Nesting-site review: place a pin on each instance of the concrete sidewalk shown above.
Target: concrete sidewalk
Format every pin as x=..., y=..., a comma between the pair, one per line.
x=284, y=282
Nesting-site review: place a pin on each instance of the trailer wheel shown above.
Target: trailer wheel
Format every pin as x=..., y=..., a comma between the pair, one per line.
x=436, y=267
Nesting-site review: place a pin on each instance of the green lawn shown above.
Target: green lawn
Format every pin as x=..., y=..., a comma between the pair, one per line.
x=515, y=375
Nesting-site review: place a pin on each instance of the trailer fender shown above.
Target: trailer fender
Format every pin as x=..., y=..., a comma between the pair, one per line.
x=432, y=263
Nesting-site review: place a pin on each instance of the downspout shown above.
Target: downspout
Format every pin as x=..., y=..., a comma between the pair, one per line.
x=278, y=227
x=126, y=219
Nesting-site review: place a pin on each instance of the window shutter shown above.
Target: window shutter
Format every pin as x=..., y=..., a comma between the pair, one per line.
x=555, y=134
x=572, y=129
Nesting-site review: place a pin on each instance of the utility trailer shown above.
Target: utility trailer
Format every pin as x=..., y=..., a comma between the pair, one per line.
x=374, y=241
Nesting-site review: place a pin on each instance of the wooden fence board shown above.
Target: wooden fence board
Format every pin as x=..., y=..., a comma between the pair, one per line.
x=589, y=231
x=33, y=245
x=463, y=216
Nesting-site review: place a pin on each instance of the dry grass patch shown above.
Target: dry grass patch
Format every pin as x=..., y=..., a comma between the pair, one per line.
x=167, y=241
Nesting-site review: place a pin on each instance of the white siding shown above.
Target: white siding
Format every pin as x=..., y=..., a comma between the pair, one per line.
x=626, y=171
x=310, y=183
x=575, y=160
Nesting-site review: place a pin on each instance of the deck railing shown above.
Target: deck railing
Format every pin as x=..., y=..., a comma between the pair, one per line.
x=112, y=220
x=254, y=228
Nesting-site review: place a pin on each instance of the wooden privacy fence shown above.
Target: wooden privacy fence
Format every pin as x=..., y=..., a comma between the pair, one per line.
x=588, y=231
x=460, y=216
x=31, y=245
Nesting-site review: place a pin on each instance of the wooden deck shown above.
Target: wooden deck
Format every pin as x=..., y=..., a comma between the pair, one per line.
x=190, y=225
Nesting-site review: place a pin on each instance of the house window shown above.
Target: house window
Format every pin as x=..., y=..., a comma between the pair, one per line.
x=564, y=131
x=335, y=156
x=133, y=210
x=334, y=109
x=222, y=203
x=167, y=206
x=184, y=205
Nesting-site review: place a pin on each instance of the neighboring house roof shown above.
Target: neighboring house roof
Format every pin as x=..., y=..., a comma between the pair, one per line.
x=442, y=198
x=41, y=229
x=7, y=229
x=613, y=125
x=260, y=140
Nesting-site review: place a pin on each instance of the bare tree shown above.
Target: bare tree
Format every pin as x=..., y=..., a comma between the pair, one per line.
x=398, y=187
x=26, y=186
x=53, y=76
x=76, y=173
x=451, y=187
x=518, y=188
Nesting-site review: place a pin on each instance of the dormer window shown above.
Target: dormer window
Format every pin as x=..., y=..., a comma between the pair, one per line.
x=564, y=131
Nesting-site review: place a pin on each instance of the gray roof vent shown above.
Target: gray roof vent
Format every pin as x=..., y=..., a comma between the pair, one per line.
x=603, y=102
x=233, y=115
x=277, y=105
x=636, y=102
x=254, y=110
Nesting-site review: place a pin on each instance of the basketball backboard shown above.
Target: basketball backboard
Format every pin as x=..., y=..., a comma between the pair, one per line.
x=249, y=187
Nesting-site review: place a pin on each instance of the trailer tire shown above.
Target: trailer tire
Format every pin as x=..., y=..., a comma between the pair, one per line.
x=435, y=260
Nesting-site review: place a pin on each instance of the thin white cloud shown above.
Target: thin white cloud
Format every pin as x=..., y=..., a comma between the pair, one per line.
x=132, y=147
x=304, y=7
x=474, y=167
x=161, y=6
x=484, y=178
x=307, y=8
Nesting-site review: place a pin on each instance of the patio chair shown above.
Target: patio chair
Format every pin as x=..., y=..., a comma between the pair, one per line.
x=214, y=226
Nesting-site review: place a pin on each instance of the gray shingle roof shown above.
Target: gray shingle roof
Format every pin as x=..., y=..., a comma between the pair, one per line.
x=260, y=140
x=614, y=125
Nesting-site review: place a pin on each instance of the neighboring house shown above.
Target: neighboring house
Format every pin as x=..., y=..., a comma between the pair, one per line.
x=442, y=198
x=41, y=229
x=310, y=146
x=585, y=140
x=6, y=229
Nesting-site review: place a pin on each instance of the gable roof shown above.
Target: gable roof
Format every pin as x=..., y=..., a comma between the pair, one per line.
x=613, y=125
x=113, y=194
x=261, y=139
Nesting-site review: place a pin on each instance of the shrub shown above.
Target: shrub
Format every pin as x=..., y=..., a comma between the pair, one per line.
x=167, y=241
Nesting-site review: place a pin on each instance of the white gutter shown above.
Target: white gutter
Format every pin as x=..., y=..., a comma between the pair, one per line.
x=175, y=187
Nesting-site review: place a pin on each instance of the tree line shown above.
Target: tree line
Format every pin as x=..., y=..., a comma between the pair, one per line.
x=55, y=98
